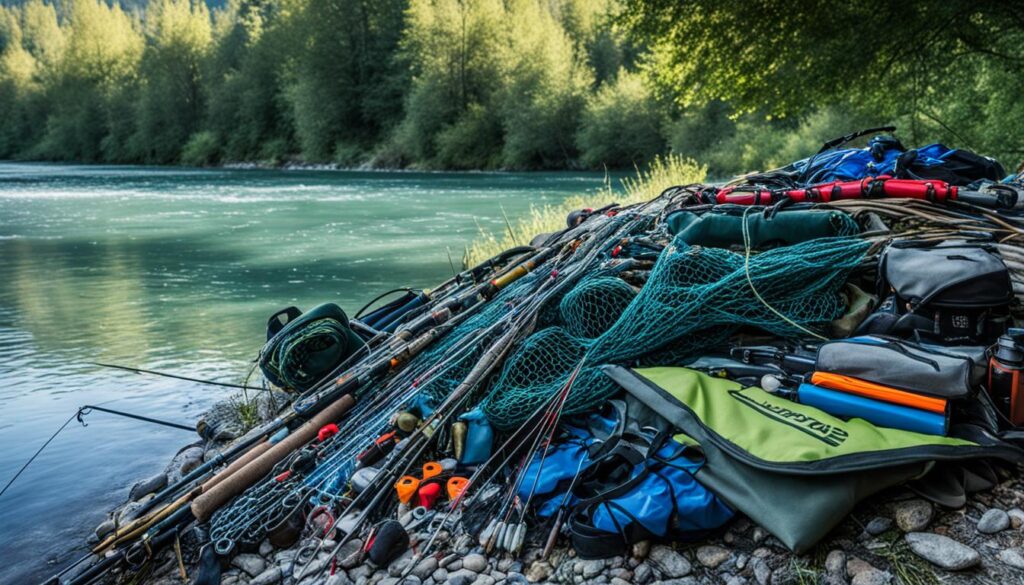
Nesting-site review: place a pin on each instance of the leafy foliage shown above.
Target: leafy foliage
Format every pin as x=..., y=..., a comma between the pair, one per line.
x=523, y=84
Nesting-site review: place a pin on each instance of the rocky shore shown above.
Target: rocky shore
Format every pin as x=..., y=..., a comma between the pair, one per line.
x=894, y=537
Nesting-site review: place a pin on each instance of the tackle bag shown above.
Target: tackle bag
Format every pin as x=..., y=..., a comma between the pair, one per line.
x=764, y=453
x=953, y=294
x=900, y=364
x=724, y=227
x=303, y=348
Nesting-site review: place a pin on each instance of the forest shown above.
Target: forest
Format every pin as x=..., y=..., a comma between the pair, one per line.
x=501, y=84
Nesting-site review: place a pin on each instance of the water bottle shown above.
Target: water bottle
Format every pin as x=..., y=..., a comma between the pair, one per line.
x=1005, y=380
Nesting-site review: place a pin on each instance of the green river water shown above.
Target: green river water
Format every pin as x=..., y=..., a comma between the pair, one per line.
x=177, y=270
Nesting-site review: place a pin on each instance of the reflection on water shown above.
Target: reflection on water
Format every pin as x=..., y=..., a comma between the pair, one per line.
x=177, y=270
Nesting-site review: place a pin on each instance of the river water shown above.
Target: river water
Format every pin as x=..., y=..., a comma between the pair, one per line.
x=177, y=270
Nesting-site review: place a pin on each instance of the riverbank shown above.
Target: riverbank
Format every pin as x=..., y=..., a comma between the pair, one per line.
x=893, y=537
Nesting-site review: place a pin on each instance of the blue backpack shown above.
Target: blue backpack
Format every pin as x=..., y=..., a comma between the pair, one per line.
x=624, y=481
x=885, y=155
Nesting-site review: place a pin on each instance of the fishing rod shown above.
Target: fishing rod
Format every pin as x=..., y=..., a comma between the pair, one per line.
x=343, y=386
x=175, y=376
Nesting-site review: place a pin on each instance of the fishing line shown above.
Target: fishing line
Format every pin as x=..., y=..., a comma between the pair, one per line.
x=33, y=457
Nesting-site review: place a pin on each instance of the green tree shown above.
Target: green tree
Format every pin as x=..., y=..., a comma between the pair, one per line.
x=621, y=124
x=169, y=105
x=102, y=52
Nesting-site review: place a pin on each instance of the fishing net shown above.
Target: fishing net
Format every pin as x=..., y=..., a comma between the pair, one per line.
x=695, y=298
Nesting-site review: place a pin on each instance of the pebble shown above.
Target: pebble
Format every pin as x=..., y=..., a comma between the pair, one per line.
x=426, y=567
x=856, y=566
x=1012, y=557
x=350, y=554
x=461, y=577
x=878, y=525
x=711, y=556
x=105, y=528
x=642, y=573
x=538, y=571
x=475, y=562
x=992, y=521
x=271, y=576
x=641, y=549
x=266, y=548
x=1016, y=517
x=759, y=534
x=147, y=486
x=484, y=580
x=872, y=577
x=942, y=551
x=339, y=578
x=835, y=562
x=251, y=564
x=589, y=568
x=913, y=515
x=448, y=560
x=515, y=579
x=762, y=572
x=671, y=563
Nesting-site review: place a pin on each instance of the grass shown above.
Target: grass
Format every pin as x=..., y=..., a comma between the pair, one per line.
x=247, y=409
x=662, y=173
x=908, y=568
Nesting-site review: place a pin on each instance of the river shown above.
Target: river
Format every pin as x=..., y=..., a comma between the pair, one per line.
x=177, y=270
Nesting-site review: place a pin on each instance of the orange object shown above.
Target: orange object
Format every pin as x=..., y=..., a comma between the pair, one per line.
x=431, y=469
x=406, y=488
x=428, y=494
x=455, y=487
x=879, y=392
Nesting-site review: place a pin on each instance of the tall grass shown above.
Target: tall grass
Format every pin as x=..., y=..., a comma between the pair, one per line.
x=662, y=173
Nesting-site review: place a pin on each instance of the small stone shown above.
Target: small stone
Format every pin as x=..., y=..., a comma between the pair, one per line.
x=498, y=575
x=538, y=571
x=642, y=573
x=398, y=566
x=878, y=525
x=992, y=521
x=671, y=563
x=1012, y=557
x=741, y=561
x=641, y=549
x=711, y=556
x=425, y=567
x=762, y=572
x=516, y=579
x=872, y=577
x=617, y=581
x=835, y=562
x=271, y=576
x=439, y=576
x=1016, y=517
x=942, y=551
x=475, y=562
x=351, y=553
x=266, y=548
x=913, y=515
x=758, y=535
x=461, y=577
x=339, y=578
x=484, y=580
x=105, y=528
x=147, y=486
x=448, y=560
x=250, y=564
x=589, y=568
x=856, y=566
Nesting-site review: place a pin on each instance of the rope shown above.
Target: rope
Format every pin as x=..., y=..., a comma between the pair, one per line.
x=750, y=281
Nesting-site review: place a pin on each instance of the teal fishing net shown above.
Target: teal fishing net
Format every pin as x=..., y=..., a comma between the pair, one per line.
x=695, y=298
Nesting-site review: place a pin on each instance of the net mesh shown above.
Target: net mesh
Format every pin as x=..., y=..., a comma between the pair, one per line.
x=695, y=299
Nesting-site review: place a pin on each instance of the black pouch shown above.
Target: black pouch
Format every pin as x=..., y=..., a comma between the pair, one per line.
x=952, y=294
